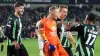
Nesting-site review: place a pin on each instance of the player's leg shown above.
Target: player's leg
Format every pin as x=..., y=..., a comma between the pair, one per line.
x=78, y=51
x=8, y=51
x=41, y=44
x=89, y=51
x=81, y=51
x=41, y=52
x=2, y=46
x=92, y=51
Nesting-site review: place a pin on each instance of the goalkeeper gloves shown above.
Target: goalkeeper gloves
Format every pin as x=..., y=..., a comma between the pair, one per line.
x=52, y=47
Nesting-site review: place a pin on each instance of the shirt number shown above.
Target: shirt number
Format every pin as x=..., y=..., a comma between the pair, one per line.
x=90, y=36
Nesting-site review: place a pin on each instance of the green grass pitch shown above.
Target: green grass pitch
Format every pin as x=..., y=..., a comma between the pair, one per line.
x=33, y=50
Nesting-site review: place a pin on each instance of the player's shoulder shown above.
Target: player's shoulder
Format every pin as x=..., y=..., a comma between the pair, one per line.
x=93, y=26
x=38, y=22
x=44, y=19
x=11, y=17
x=88, y=25
x=80, y=25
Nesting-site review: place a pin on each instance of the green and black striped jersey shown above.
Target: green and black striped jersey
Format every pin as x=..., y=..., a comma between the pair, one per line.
x=86, y=34
x=14, y=27
x=62, y=34
x=86, y=37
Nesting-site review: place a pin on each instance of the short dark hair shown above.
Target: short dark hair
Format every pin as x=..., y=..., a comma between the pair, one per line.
x=63, y=6
x=91, y=17
x=78, y=19
x=17, y=4
x=42, y=15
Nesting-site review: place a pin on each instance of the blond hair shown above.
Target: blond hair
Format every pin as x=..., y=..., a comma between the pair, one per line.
x=52, y=8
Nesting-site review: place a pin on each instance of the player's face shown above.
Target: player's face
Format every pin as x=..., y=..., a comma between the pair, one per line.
x=56, y=13
x=63, y=13
x=20, y=10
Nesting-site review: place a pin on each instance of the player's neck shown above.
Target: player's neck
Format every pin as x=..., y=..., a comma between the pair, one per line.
x=91, y=23
x=16, y=14
x=50, y=17
x=60, y=18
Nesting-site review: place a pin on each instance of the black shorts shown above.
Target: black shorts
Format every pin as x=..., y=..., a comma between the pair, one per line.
x=11, y=51
x=69, y=51
x=1, y=40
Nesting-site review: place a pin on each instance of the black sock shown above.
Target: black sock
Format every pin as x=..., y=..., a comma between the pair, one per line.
x=2, y=46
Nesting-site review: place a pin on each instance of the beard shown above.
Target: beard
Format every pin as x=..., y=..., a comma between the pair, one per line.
x=20, y=13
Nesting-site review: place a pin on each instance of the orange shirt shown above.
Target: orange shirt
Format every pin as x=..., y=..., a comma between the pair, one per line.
x=50, y=30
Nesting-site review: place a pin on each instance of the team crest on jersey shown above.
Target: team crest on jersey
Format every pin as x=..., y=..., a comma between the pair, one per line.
x=53, y=28
x=53, y=33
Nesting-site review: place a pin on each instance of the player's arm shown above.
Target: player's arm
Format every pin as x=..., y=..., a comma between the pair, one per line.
x=9, y=29
x=74, y=28
x=10, y=32
x=46, y=42
x=71, y=38
x=41, y=31
x=78, y=28
x=69, y=34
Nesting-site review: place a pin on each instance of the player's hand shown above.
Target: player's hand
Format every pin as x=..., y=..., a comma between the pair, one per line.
x=45, y=48
x=68, y=26
x=52, y=48
x=17, y=46
x=74, y=44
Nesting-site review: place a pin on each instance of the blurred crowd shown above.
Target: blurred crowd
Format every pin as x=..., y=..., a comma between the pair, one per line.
x=32, y=15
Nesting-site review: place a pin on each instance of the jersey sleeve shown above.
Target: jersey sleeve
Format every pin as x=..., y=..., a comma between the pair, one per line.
x=37, y=24
x=78, y=28
x=37, y=27
x=41, y=29
x=10, y=29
